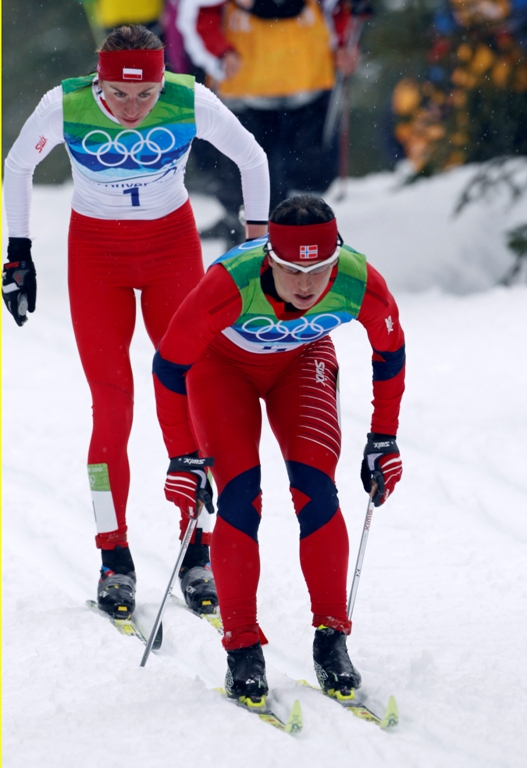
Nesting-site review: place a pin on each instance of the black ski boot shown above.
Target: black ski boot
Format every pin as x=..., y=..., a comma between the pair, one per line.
x=197, y=581
x=245, y=676
x=335, y=672
x=116, y=588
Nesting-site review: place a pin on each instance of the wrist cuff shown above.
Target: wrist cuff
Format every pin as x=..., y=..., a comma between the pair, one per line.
x=19, y=248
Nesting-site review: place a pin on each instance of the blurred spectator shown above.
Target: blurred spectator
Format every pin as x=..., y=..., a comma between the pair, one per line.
x=175, y=53
x=109, y=14
x=273, y=63
x=473, y=105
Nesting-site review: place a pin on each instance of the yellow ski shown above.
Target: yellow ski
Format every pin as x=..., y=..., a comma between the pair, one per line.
x=266, y=714
x=127, y=626
x=213, y=617
x=360, y=710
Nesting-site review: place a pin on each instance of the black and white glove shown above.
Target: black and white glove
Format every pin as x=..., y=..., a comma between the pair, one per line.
x=381, y=466
x=19, y=279
x=188, y=486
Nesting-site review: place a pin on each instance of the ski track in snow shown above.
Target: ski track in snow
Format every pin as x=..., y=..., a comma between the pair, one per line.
x=440, y=617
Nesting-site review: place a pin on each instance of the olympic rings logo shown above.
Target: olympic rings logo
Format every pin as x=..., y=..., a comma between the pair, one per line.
x=304, y=330
x=123, y=152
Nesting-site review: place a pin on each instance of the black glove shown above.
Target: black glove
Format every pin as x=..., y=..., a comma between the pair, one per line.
x=381, y=465
x=19, y=279
x=187, y=484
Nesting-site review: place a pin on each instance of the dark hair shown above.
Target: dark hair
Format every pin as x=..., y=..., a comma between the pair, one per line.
x=300, y=210
x=132, y=38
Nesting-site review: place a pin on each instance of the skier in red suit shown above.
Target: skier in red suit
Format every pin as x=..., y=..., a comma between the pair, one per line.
x=257, y=327
x=128, y=129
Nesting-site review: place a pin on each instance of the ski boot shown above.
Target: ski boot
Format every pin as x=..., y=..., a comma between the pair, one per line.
x=116, y=588
x=245, y=678
x=197, y=581
x=336, y=674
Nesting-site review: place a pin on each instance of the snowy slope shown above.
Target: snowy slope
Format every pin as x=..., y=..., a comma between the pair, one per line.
x=440, y=618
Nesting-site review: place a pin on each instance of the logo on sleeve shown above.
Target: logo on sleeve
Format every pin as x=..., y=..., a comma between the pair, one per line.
x=389, y=323
x=41, y=143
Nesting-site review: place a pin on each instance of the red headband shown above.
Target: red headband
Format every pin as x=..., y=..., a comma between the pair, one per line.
x=310, y=242
x=141, y=66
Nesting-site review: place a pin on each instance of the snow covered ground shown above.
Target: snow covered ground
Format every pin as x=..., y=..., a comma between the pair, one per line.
x=440, y=619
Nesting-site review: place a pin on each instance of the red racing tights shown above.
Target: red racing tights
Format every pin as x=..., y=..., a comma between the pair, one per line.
x=107, y=261
x=300, y=392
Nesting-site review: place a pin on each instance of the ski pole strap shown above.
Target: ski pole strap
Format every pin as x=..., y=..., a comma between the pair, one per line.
x=182, y=463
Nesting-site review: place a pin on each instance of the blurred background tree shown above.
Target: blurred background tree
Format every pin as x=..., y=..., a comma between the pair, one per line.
x=43, y=43
x=471, y=106
x=394, y=46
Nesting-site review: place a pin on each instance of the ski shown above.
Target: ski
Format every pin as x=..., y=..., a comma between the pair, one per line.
x=360, y=710
x=213, y=618
x=127, y=626
x=266, y=714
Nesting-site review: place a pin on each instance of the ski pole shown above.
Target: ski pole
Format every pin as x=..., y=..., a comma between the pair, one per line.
x=182, y=551
x=336, y=102
x=362, y=550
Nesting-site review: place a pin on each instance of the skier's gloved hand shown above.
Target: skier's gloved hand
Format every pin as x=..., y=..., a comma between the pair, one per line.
x=187, y=484
x=381, y=465
x=19, y=279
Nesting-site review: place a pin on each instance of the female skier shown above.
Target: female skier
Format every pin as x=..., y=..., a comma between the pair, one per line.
x=128, y=131
x=257, y=327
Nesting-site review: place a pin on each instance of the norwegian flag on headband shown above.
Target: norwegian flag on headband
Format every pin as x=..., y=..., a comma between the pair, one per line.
x=309, y=252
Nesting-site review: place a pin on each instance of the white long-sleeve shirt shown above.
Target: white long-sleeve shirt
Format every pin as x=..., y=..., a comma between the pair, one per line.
x=159, y=195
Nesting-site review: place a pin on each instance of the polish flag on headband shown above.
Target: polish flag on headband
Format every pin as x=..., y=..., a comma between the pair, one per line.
x=140, y=66
x=132, y=74
x=309, y=242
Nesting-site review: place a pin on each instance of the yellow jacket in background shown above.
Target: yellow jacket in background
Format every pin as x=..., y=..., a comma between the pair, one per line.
x=280, y=57
x=112, y=13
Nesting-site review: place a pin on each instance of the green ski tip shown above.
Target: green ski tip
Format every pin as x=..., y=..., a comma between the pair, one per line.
x=266, y=714
x=360, y=710
x=294, y=724
x=391, y=715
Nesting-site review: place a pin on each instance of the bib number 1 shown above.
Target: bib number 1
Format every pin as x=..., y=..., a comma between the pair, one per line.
x=134, y=194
